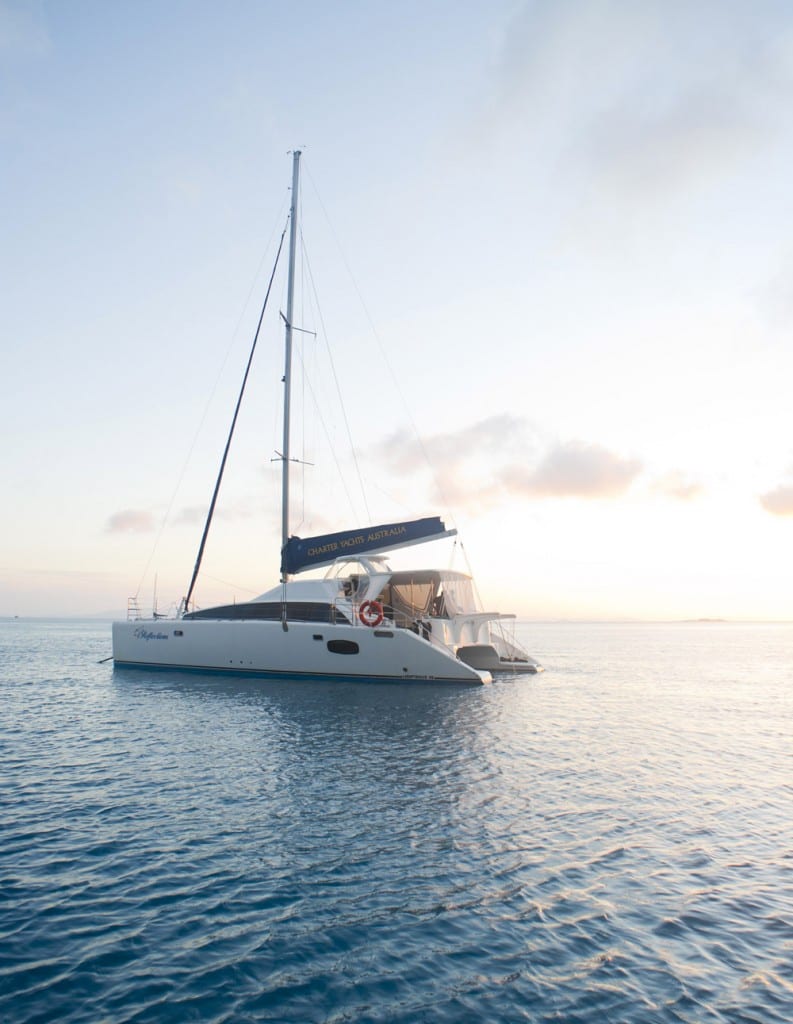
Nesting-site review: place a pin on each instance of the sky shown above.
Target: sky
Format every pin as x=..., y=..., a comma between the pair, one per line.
x=545, y=290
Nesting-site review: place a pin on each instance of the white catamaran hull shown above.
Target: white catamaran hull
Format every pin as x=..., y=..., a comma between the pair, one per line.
x=265, y=648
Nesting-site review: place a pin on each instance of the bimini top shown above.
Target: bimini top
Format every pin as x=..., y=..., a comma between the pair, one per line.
x=309, y=553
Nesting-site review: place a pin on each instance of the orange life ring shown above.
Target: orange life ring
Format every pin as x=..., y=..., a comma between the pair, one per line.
x=371, y=613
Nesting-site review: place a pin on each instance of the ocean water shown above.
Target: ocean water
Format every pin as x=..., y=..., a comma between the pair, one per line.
x=609, y=841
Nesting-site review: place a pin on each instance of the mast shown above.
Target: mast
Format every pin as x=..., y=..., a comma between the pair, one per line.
x=290, y=294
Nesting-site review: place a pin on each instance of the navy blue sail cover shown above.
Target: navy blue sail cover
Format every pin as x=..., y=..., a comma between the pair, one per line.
x=300, y=553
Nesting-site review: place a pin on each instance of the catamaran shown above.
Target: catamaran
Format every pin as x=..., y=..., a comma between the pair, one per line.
x=362, y=621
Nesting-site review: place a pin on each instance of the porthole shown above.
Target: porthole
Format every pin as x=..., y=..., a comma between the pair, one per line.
x=342, y=647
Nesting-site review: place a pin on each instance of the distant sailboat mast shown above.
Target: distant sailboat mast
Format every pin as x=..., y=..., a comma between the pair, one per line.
x=290, y=294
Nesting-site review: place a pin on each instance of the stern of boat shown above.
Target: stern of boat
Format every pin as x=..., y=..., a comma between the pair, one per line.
x=486, y=658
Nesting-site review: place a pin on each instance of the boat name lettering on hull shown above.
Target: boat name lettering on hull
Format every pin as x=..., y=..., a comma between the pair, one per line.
x=147, y=634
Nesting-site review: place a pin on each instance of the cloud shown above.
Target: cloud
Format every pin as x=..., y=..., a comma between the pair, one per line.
x=131, y=520
x=778, y=502
x=404, y=452
x=689, y=137
x=66, y=574
x=248, y=506
x=775, y=297
x=463, y=463
x=645, y=97
x=138, y=520
x=573, y=469
x=244, y=507
x=502, y=456
x=676, y=484
x=190, y=514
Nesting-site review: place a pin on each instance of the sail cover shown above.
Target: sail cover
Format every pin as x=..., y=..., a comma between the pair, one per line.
x=308, y=553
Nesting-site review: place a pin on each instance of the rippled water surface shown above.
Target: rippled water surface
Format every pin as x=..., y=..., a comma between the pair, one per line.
x=612, y=840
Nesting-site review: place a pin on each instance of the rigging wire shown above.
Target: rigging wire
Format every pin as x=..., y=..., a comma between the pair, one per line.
x=477, y=595
x=199, y=428
x=384, y=354
x=213, y=502
x=326, y=432
x=395, y=381
x=232, y=586
x=336, y=382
